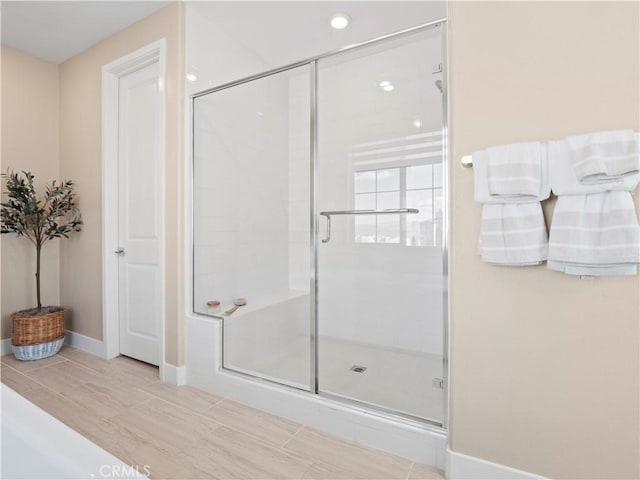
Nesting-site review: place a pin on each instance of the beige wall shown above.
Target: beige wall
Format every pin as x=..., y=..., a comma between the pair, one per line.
x=29, y=142
x=544, y=366
x=81, y=157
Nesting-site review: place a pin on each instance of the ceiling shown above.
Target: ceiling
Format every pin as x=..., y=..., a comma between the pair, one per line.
x=282, y=32
x=277, y=31
x=55, y=31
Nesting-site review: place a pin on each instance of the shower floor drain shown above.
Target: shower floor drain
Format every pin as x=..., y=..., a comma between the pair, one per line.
x=358, y=369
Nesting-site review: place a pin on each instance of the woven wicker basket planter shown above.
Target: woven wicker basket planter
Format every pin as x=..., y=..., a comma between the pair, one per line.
x=37, y=333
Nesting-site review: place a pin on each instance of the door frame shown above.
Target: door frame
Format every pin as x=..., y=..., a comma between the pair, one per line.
x=111, y=73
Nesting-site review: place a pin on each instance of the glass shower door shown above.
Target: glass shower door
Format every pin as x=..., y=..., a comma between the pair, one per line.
x=251, y=223
x=380, y=216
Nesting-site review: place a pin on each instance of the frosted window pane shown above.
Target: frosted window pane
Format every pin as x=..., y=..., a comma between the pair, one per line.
x=420, y=225
x=388, y=200
x=419, y=177
x=388, y=180
x=437, y=203
x=388, y=229
x=420, y=199
x=365, y=182
x=365, y=228
x=437, y=175
x=365, y=201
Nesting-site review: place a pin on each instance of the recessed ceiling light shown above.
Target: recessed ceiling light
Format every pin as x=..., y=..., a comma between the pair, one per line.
x=340, y=21
x=385, y=83
x=417, y=123
x=388, y=88
x=191, y=77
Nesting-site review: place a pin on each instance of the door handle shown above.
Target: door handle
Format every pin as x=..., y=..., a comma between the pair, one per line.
x=328, y=237
x=119, y=251
x=387, y=211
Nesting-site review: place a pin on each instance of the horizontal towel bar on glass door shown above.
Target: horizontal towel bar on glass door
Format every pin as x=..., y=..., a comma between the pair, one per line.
x=388, y=211
x=369, y=212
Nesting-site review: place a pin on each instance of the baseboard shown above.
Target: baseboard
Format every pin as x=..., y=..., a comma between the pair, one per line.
x=5, y=346
x=73, y=339
x=174, y=375
x=82, y=342
x=465, y=467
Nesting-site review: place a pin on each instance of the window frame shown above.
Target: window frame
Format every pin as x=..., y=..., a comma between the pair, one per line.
x=402, y=195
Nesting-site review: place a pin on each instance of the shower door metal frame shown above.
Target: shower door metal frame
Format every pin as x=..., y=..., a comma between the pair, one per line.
x=313, y=192
x=312, y=62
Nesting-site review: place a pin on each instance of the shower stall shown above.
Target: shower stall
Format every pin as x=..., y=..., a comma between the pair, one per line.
x=319, y=197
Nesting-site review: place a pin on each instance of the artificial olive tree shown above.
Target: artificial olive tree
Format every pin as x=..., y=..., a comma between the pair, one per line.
x=55, y=215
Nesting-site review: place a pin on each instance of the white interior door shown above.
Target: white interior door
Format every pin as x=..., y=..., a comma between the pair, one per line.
x=140, y=215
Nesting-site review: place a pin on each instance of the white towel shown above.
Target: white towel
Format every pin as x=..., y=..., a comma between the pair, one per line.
x=593, y=270
x=595, y=234
x=515, y=170
x=604, y=156
x=514, y=173
x=513, y=234
x=563, y=179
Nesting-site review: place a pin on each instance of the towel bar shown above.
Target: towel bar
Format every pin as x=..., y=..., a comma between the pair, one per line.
x=387, y=211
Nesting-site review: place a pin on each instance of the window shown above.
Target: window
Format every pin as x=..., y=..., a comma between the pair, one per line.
x=418, y=187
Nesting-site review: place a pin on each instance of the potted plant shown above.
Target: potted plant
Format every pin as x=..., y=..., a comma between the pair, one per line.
x=38, y=332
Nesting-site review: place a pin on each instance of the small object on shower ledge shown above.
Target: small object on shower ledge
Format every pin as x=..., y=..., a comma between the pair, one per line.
x=213, y=303
x=239, y=302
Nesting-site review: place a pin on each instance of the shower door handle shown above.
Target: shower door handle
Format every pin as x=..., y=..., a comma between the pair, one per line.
x=387, y=211
x=328, y=237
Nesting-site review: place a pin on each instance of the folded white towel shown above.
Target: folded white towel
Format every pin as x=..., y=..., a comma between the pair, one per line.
x=604, y=156
x=513, y=234
x=564, y=181
x=595, y=234
x=514, y=173
x=615, y=270
x=515, y=170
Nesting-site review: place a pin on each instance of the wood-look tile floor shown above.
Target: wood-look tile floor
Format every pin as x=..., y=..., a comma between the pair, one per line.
x=185, y=433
